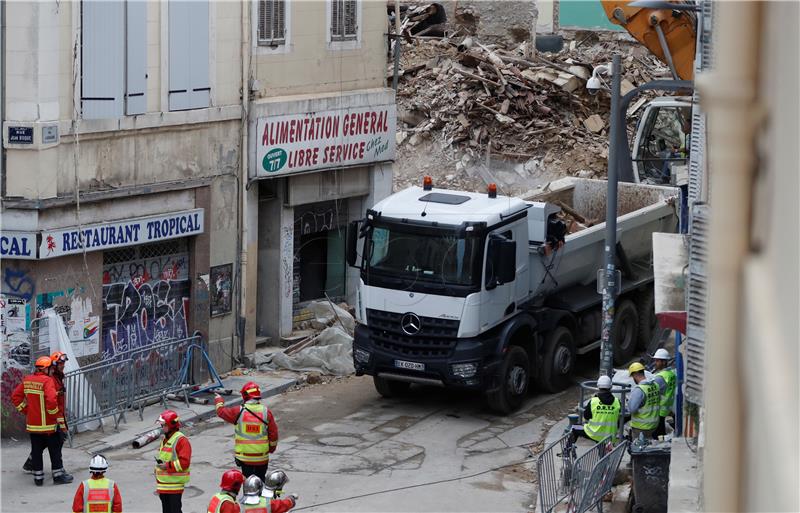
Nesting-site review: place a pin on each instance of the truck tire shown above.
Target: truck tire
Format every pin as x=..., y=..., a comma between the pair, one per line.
x=625, y=332
x=390, y=388
x=648, y=323
x=559, y=359
x=513, y=377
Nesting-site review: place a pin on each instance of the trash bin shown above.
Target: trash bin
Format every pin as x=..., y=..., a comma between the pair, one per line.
x=650, y=476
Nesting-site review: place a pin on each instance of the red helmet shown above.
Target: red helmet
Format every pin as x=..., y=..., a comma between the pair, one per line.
x=251, y=390
x=170, y=418
x=43, y=362
x=231, y=481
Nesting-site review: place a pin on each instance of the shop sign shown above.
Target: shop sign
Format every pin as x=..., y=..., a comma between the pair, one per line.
x=131, y=232
x=323, y=140
x=19, y=245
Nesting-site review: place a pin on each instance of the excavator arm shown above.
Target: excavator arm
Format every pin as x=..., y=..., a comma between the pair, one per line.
x=670, y=35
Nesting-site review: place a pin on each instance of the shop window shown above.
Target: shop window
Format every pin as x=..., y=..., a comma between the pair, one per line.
x=320, y=267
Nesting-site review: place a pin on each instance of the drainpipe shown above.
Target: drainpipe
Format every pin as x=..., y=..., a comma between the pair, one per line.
x=241, y=189
x=2, y=95
x=730, y=97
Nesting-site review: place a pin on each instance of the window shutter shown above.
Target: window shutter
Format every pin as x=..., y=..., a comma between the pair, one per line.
x=136, y=57
x=102, y=59
x=350, y=19
x=279, y=15
x=264, y=21
x=199, y=79
x=336, y=20
x=271, y=22
x=188, y=55
x=697, y=304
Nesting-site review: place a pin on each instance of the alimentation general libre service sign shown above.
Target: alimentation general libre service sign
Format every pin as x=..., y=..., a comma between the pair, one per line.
x=328, y=139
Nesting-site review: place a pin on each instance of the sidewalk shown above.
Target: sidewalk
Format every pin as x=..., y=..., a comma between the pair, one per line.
x=132, y=427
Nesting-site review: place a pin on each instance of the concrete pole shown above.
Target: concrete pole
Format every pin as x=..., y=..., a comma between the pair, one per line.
x=610, y=288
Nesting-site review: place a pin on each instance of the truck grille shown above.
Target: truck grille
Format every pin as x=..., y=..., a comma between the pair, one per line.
x=436, y=338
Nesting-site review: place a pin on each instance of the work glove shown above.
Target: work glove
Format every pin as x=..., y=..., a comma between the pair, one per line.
x=161, y=466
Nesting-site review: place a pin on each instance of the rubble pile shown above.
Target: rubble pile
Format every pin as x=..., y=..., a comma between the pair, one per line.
x=485, y=104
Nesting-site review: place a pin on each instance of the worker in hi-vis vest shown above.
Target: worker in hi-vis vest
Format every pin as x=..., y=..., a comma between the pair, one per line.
x=601, y=414
x=172, y=463
x=664, y=372
x=256, y=433
x=225, y=500
x=98, y=494
x=644, y=402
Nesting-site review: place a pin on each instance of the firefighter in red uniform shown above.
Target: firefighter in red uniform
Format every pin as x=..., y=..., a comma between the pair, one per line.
x=225, y=500
x=256, y=433
x=254, y=501
x=172, y=463
x=57, y=361
x=98, y=494
x=37, y=398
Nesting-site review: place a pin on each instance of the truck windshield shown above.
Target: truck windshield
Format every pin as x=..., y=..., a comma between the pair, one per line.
x=431, y=257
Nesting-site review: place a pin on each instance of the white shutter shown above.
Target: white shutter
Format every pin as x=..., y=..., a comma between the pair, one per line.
x=264, y=21
x=199, y=80
x=136, y=53
x=337, y=27
x=697, y=303
x=102, y=59
x=279, y=15
x=271, y=22
x=188, y=55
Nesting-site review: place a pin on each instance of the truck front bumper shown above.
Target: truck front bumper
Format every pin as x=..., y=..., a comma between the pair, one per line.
x=374, y=361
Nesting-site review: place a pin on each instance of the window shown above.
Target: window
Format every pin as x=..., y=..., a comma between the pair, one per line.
x=113, y=58
x=271, y=22
x=665, y=143
x=189, y=82
x=344, y=20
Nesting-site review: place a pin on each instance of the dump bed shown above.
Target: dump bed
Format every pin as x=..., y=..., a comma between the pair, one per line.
x=641, y=210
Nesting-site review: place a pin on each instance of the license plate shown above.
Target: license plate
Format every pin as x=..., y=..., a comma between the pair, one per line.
x=401, y=364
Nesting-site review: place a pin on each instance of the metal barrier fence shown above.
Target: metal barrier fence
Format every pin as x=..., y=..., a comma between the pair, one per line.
x=600, y=480
x=130, y=380
x=584, y=465
x=554, y=471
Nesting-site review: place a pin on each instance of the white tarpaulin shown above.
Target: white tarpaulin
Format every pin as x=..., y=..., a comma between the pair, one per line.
x=59, y=341
x=332, y=353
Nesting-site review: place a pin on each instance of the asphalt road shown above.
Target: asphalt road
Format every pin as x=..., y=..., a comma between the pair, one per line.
x=345, y=449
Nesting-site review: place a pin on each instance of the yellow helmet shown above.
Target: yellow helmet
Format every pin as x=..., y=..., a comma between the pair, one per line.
x=635, y=367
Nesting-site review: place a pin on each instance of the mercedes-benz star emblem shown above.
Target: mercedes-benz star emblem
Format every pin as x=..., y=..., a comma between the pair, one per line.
x=410, y=324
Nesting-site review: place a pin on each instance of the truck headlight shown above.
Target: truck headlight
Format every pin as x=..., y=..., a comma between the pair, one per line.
x=361, y=356
x=464, y=370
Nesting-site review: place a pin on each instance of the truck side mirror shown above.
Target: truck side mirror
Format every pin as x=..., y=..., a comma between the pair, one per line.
x=502, y=262
x=352, y=242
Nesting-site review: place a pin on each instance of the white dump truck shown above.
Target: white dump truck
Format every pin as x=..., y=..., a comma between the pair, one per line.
x=487, y=292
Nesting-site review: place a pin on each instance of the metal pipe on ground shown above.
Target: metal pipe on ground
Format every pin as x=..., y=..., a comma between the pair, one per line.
x=146, y=438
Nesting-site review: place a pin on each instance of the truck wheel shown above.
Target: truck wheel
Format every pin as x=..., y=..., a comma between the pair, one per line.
x=389, y=387
x=514, y=376
x=625, y=332
x=559, y=358
x=648, y=322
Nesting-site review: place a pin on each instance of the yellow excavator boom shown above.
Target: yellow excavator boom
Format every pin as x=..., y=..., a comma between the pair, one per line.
x=657, y=29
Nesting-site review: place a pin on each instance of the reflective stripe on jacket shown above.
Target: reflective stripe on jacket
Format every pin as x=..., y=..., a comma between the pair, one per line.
x=668, y=395
x=215, y=506
x=166, y=479
x=264, y=506
x=604, y=421
x=98, y=495
x=646, y=417
x=252, y=441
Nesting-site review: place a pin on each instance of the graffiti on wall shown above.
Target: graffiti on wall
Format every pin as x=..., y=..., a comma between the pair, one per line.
x=16, y=359
x=145, y=302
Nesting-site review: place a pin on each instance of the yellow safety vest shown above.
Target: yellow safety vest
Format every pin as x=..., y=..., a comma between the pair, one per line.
x=252, y=441
x=98, y=495
x=218, y=500
x=264, y=506
x=646, y=417
x=604, y=421
x=171, y=481
x=670, y=378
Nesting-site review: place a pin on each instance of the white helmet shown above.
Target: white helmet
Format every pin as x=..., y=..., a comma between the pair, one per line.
x=276, y=480
x=251, y=492
x=99, y=464
x=662, y=354
x=604, y=383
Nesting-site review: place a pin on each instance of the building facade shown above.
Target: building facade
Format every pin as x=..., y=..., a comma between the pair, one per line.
x=172, y=167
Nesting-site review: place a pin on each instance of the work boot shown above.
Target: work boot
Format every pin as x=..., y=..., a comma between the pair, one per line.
x=38, y=477
x=61, y=477
x=28, y=466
